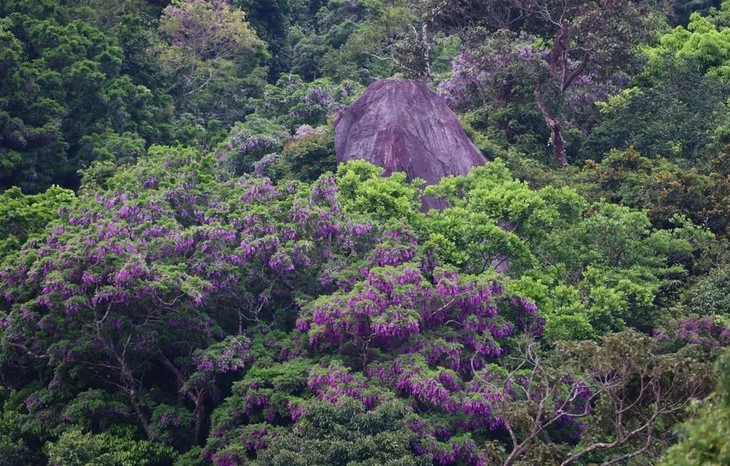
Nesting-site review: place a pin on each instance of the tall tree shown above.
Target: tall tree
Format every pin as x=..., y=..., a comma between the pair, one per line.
x=214, y=56
x=544, y=48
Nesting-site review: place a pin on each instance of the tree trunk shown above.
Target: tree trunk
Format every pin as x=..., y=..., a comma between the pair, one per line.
x=144, y=422
x=201, y=419
x=426, y=48
x=556, y=136
x=198, y=397
x=132, y=388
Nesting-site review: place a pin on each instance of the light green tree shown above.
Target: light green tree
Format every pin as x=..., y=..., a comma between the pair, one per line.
x=214, y=56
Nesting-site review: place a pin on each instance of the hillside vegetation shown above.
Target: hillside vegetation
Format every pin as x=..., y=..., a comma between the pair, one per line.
x=190, y=278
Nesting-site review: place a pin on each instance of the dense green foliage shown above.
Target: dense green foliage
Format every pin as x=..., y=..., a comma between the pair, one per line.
x=188, y=277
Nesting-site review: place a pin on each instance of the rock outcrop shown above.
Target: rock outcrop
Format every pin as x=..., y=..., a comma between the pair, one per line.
x=401, y=125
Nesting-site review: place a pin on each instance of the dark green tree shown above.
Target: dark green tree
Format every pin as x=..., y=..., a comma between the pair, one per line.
x=346, y=434
x=63, y=92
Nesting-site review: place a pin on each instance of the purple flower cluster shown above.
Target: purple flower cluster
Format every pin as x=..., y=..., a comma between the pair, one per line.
x=468, y=81
x=706, y=332
x=256, y=439
x=461, y=451
x=170, y=420
x=427, y=390
x=384, y=308
x=230, y=355
x=334, y=383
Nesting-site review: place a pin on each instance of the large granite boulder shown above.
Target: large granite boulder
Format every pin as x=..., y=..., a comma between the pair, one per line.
x=401, y=125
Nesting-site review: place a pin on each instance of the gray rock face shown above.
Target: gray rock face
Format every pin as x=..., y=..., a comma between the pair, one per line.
x=401, y=125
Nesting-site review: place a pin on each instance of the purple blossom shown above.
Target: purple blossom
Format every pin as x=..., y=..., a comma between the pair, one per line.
x=703, y=331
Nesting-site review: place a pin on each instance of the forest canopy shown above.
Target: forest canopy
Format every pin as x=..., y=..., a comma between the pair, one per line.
x=189, y=277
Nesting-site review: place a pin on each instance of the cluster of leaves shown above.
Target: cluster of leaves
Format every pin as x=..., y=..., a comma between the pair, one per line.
x=25, y=216
x=214, y=56
x=695, y=115
x=662, y=187
x=590, y=267
x=361, y=40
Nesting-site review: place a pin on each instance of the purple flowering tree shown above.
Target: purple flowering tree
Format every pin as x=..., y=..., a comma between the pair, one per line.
x=542, y=51
x=469, y=363
x=401, y=332
x=139, y=278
